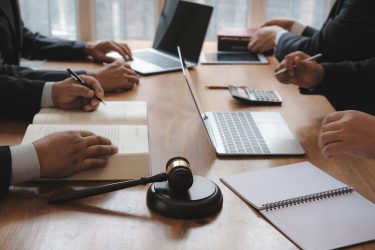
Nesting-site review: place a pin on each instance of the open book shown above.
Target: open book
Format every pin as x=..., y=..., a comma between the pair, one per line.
x=124, y=123
x=313, y=209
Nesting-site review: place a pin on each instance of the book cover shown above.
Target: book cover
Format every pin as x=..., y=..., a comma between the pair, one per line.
x=234, y=39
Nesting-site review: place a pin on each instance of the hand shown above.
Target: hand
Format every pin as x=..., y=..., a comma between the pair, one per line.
x=283, y=23
x=66, y=153
x=115, y=76
x=264, y=39
x=98, y=50
x=349, y=133
x=69, y=94
x=304, y=74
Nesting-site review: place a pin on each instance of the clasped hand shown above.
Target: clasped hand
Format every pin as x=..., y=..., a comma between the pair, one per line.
x=348, y=132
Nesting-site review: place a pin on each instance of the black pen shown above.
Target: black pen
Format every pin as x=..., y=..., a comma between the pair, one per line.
x=82, y=82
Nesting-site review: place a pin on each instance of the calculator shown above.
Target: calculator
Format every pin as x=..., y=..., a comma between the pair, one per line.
x=255, y=96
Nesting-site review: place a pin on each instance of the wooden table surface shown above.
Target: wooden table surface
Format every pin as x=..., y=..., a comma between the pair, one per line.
x=121, y=220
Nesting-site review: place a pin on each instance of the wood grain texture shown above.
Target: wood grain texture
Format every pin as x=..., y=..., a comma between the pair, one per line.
x=121, y=220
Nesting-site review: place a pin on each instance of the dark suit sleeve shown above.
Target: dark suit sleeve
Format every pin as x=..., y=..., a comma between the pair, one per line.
x=19, y=98
x=349, y=75
x=37, y=46
x=309, y=31
x=5, y=170
x=348, y=85
x=350, y=35
x=41, y=75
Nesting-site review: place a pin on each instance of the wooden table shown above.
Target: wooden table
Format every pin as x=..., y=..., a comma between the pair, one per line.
x=121, y=220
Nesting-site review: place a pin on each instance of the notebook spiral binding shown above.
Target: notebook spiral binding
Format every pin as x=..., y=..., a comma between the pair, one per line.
x=306, y=198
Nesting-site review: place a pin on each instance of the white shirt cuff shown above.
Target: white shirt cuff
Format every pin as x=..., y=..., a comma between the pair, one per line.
x=47, y=95
x=298, y=28
x=278, y=35
x=25, y=163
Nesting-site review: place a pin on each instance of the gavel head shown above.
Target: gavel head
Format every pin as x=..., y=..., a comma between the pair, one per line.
x=180, y=177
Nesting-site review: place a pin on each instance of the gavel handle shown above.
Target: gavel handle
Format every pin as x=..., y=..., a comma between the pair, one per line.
x=76, y=195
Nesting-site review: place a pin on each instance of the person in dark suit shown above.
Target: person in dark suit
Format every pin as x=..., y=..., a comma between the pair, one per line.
x=22, y=98
x=347, y=85
x=56, y=155
x=347, y=34
x=347, y=132
x=17, y=41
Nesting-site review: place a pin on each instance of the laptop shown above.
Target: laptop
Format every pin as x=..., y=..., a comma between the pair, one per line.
x=245, y=133
x=181, y=24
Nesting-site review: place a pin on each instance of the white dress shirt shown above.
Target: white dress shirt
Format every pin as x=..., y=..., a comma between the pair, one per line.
x=296, y=29
x=25, y=162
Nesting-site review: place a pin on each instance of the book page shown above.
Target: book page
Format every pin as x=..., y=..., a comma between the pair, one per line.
x=130, y=139
x=113, y=112
x=328, y=223
x=131, y=161
x=280, y=183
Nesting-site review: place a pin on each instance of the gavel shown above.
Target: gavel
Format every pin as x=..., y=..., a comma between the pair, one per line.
x=178, y=174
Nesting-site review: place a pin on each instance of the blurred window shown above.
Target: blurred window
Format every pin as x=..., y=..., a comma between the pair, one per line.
x=137, y=19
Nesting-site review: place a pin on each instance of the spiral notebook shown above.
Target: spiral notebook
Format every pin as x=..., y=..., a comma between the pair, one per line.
x=311, y=208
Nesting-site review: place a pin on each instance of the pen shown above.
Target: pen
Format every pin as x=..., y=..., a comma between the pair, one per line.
x=222, y=86
x=82, y=82
x=308, y=59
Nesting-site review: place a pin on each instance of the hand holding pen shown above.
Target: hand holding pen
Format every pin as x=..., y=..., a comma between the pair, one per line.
x=70, y=94
x=80, y=81
x=300, y=69
x=290, y=65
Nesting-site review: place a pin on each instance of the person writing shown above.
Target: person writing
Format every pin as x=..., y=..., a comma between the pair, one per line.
x=59, y=154
x=17, y=41
x=347, y=34
x=347, y=85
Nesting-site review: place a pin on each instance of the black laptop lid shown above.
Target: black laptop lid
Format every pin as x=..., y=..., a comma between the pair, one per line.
x=182, y=24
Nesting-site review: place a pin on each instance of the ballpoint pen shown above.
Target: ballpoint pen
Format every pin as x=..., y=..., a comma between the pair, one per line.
x=308, y=59
x=82, y=82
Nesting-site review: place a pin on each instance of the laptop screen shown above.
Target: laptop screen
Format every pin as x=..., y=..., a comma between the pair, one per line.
x=189, y=81
x=182, y=24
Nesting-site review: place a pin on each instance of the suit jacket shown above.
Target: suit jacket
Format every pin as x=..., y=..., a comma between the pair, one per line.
x=347, y=34
x=349, y=85
x=5, y=169
x=19, y=97
x=17, y=41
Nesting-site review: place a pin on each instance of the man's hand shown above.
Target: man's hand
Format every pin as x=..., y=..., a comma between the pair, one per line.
x=115, y=76
x=264, y=39
x=349, y=133
x=283, y=23
x=69, y=94
x=63, y=154
x=304, y=74
x=98, y=50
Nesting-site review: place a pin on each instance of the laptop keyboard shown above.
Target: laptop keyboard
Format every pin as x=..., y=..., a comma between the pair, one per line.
x=240, y=134
x=159, y=60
